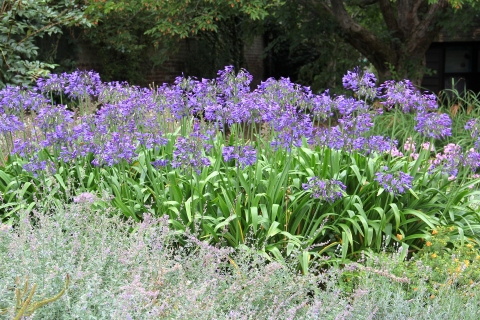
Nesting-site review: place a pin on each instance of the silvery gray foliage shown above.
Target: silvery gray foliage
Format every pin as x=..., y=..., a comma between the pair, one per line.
x=117, y=273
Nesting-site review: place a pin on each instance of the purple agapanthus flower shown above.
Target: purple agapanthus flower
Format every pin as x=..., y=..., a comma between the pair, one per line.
x=160, y=163
x=54, y=83
x=81, y=84
x=115, y=148
x=322, y=106
x=332, y=137
x=36, y=166
x=291, y=126
x=24, y=148
x=472, y=159
x=362, y=83
x=15, y=100
x=325, y=190
x=347, y=106
x=188, y=155
x=356, y=125
x=190, y=151
x=245, y=155
x=405, y=96
x=10, y=123
x=473, y=125
x=78, y=84
x=433, y=125
x=396, y=183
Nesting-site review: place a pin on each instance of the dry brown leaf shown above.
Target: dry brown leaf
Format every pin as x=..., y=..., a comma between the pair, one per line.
x=454, y=109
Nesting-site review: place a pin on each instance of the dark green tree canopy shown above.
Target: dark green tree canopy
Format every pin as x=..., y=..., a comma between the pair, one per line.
x=24, y=21
x=392, y=35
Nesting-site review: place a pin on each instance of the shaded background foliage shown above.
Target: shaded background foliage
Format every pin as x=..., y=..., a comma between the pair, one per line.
x=307, y=47
x=22, y=24
x=122, y=46
x=304, y=39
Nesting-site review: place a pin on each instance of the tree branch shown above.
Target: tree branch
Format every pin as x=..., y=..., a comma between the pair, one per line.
x=416, y=6
x=427, y=28
x=362, y=39
x=52, y=24
x=312, y=4
x=390, y=19
x=362, y=3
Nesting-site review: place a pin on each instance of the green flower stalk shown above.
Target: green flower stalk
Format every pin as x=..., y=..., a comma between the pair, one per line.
x=24, y=306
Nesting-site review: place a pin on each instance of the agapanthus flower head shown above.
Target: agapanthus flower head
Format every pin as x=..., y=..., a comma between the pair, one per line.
x=10, y=123
x=331, y=137
x=362, y=83
x=160, y=163
x=278, y=94
x=151, y=140
x=115, y=147
x=111, y=92
x=372, y=144
x=178, y=98
x=474, y=126
x=325, y=190
x=15, y=100
x=188, y=155
x=37, y=166
x=433, y=125
x=82, y=84
x=244, y=155
x=347, y=106
x=54, y=83
x=49, y=118
x=427, y=102
x=472, y=159
x=395, y=182
x=24, y=147
x=405, y=96
x=204, y=133
x=381, y=144
x=291, y=127
x=232, y=84
x=190, y=151
x=78, y=84
x=356, y=125
x=322, y=106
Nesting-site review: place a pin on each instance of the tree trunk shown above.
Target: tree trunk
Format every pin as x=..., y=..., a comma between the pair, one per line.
x=412, y=25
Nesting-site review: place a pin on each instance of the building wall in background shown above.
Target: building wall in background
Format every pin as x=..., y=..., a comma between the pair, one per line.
x=177, y=64
x=454, y=62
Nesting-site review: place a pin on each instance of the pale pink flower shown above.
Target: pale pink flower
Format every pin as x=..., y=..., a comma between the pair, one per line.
x=85, y=197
